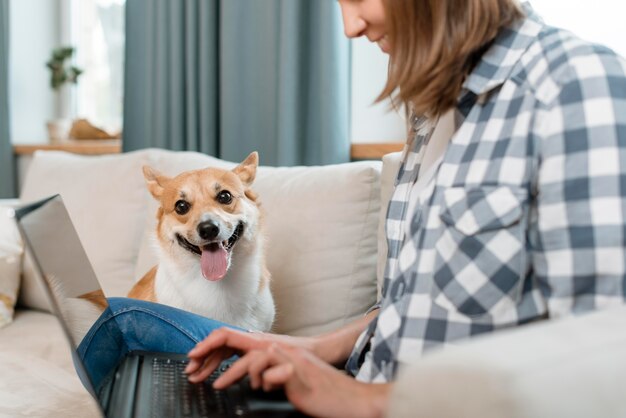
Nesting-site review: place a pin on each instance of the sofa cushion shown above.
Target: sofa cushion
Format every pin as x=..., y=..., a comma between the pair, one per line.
x=10, y=257
x=38, y=377
x=106, y=199
x=321, y=225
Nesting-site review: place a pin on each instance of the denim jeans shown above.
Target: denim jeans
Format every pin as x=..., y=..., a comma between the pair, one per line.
x=135, y=325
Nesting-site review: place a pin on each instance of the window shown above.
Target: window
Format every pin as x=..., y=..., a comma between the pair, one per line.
x=97, y=31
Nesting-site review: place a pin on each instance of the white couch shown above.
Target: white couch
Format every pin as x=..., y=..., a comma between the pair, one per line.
x=321, y=227
x=324, y=254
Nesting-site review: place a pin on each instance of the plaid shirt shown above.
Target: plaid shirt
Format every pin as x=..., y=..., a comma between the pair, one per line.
x=525, y=217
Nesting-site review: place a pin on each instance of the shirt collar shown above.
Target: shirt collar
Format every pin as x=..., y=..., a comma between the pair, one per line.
x=497, y=63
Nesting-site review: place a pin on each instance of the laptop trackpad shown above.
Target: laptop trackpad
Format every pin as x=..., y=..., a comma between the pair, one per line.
x=276, y=400
x=260, y=403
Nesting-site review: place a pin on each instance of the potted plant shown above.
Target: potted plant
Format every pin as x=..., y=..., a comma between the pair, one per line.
x=61, y=74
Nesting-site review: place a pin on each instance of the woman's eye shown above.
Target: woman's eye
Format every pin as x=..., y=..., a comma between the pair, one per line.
x=182, y=207
x=224, y=197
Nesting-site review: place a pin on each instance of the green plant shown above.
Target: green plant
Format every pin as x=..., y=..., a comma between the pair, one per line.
x=62, y=73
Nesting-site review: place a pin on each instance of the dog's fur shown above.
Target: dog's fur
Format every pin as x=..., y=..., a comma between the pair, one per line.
x=236, y=292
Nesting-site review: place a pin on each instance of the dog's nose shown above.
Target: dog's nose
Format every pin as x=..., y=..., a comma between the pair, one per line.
x=208, y=230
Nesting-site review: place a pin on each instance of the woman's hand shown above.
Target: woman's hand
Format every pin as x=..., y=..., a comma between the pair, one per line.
x=333, y=348
x=311, y=385
x=223, y=343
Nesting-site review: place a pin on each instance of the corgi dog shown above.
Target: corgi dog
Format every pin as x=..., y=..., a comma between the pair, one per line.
x=210, y=246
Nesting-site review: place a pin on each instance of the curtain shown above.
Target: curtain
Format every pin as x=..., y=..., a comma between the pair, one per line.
x=227, y=77
x=7, y=161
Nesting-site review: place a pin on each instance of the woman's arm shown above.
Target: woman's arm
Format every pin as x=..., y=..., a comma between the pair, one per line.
x=333, y=348
x=577, y=236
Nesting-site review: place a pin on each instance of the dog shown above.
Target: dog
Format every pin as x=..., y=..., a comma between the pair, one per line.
x=211, y=246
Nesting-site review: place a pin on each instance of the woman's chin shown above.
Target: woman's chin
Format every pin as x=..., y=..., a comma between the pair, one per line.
x=384, y=46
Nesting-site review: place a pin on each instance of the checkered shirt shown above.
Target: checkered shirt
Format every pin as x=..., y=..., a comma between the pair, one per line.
x=525, y=217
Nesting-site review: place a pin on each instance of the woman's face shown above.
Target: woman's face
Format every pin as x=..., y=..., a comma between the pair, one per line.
x=365, y=17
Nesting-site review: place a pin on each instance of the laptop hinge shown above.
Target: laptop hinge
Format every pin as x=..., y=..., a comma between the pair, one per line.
x=124, y=388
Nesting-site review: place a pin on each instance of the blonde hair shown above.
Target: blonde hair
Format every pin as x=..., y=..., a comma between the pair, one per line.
x=435, y=44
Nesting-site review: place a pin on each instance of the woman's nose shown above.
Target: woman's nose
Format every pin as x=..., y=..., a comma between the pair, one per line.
x=354, y=26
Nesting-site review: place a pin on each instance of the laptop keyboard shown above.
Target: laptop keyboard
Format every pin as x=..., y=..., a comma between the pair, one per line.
x=173, y=395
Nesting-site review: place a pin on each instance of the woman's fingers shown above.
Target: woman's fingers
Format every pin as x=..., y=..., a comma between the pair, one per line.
x=221, y=337
x=255, y=364
x=257, y=361
x=193, y=365
x=215, y=357
x=208, y=365
x=218, y=346
x=252, y=364
x=277, y=376
x=236, y=371
x=285, y=362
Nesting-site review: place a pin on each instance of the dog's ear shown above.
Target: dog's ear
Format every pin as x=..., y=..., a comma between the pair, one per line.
x=155, y=181
x=247, y=169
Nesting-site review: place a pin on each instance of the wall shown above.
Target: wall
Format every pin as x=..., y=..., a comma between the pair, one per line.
x=34, y=31
x=600, y=21
x=372, y=122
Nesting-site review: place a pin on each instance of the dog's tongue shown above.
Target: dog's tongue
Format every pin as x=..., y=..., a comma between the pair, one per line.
x=214, y=261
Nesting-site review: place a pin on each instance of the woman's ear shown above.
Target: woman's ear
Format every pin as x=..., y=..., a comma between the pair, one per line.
x=155, y=181
x=246, y=171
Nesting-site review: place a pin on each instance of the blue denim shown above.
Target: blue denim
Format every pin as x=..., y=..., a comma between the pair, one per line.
x=135, y=325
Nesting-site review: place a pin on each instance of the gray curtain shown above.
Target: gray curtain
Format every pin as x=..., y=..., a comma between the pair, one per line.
x=7, y=162
x=226, y=77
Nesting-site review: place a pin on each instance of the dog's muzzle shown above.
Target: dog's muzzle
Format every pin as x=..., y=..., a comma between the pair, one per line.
x=211, y=230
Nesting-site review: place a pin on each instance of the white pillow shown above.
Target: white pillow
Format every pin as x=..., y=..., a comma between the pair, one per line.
x=321, y=226
x=10, y=266
x=105, y=197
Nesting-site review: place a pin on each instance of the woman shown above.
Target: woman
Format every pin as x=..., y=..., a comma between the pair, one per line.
x=518, y=217
x=508, y=207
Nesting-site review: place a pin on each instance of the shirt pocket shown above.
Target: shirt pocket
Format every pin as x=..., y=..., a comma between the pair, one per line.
x=480, y=254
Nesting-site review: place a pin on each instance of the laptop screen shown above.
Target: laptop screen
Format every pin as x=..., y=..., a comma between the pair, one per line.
x=66, y=274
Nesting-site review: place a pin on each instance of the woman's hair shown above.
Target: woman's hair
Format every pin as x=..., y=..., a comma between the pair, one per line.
x=435, y=44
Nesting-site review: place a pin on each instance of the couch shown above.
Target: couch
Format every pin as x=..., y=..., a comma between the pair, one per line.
x=321, y=225
x=326, y=255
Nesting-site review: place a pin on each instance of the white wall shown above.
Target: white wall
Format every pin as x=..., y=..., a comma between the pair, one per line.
x=34, y=31
x=372, y=122
x=600, y=21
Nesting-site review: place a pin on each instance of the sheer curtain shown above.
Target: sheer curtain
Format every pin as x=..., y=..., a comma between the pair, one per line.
x=232, y=76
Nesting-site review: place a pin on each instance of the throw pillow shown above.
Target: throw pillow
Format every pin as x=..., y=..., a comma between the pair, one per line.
x=105, y=197
x=10, y=257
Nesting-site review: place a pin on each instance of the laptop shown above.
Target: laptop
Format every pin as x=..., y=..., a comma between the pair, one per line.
x=144, y=384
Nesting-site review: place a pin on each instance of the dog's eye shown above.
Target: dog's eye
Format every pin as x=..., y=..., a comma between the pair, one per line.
x=224, y=197
x=182, y=207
